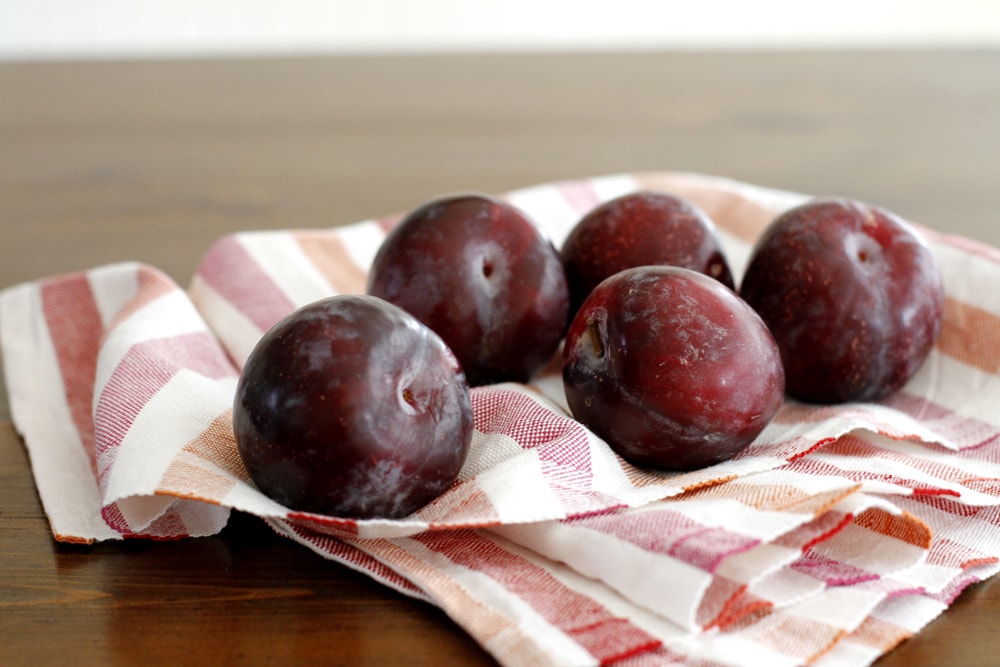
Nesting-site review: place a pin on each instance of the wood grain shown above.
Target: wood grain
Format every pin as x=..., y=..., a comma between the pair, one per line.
x=152, y=161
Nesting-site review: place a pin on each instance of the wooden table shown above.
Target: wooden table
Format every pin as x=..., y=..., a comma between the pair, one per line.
x=151, y=161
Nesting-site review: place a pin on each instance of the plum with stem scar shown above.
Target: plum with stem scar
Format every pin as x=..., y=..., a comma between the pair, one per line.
x=350, y=407
x=480, y=273
x=852, y=295
x=671, y=368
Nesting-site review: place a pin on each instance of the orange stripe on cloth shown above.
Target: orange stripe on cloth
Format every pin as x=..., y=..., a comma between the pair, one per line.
x=152, y=284
x=878, y=634
x=904, y=527
x=971, y=335
x=709, y=483
x=465, y=504
x=949, y=553
x=725, y=603
x=328, y=254
x=775, y=497
x=208, y=467
x=682, y=481
x=73, y=539
x=791, y=635
x=716, y=600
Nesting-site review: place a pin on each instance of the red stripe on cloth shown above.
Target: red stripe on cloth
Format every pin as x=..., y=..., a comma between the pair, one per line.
x=580, y=195
x=784, y=450
x=822, y=528
x=988, y=452
x=814, y=467
x=954, y=507
x=988, y=485
x=665, y=657
x=950, y=593
x=562, y=445
x=496, y=629
x=962, y=430
x=230, y=270
x=949, y=553
x=590, y=624
x=167, y=525
x=387, y=222
x=832, y=572
x=141, y=373
x=75, y=328
x=716, y=600
x=358, y=560
x=671, y=533
x=799, y=414
x=528, y=423
x=334, y=526
x=112, y=516
x=936, y=492
x=966, y=245
x=742, y=605
x=854, y=448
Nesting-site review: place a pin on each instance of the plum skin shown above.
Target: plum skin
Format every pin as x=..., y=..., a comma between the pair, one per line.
x=350, y=407
x=671, y=368
x=641, y=228
x=852, y=295
x=484, y=276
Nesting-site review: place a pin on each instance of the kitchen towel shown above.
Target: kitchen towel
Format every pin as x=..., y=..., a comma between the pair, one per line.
x=841, y=531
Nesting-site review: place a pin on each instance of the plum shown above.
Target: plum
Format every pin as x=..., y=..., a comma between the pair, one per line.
x=484, y=276
x=350, y=407
x=852, y=295
x=637, y=229
x=671, y=368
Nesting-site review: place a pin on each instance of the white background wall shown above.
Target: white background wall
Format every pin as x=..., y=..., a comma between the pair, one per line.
x=37, y=29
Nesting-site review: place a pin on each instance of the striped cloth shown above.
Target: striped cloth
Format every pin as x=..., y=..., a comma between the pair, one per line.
x=840, y=532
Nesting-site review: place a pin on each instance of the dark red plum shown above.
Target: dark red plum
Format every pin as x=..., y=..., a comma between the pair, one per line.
x=852, y=295
x=350, y=407
x=482, y=275
x=671, y=368
x=639, y=229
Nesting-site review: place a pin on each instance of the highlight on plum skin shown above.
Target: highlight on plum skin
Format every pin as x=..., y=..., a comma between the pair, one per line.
x=483, y=275
x=350, y=407
x=853, y=296
x=671, y=368
x=641, y=228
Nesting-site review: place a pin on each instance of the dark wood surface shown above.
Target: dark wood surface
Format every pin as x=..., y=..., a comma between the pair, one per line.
x=151, y=161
